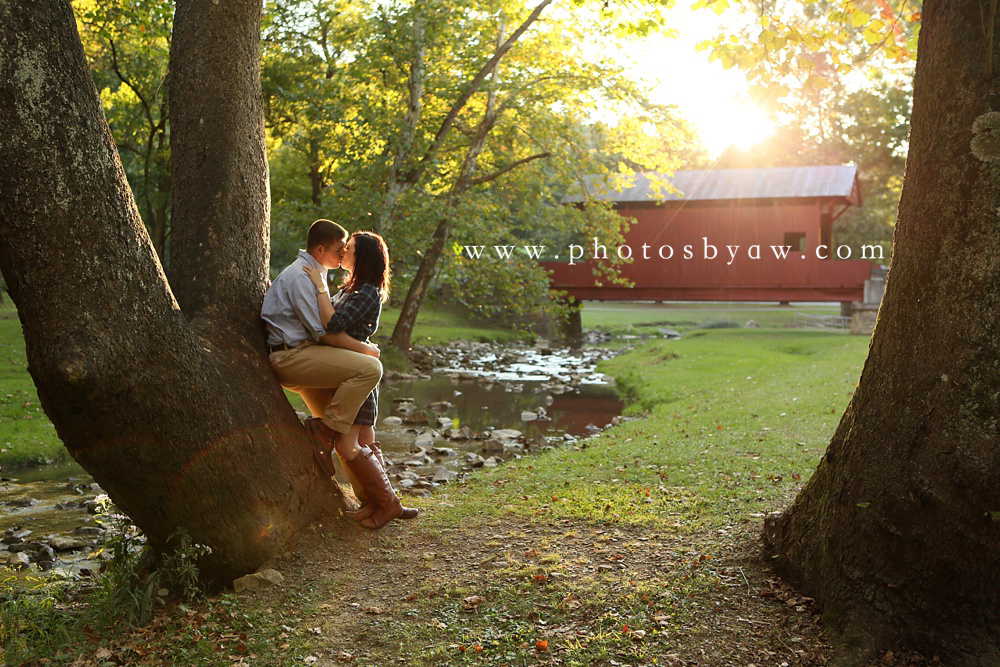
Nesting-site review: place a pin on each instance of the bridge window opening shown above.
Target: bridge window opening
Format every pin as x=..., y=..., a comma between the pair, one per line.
x=796, y=240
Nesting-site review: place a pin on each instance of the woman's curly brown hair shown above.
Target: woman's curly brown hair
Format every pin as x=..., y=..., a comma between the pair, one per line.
x=371, y=264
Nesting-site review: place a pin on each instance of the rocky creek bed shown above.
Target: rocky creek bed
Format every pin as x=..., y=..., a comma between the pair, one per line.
x=466, y=406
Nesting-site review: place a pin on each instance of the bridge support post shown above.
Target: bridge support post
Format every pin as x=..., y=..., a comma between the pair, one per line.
x=571, y=325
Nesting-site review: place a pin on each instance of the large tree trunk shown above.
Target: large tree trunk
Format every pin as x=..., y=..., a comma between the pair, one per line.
x=175, y=414
x=897, y=535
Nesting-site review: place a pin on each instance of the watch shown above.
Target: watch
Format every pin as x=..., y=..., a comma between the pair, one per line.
x=321, y=290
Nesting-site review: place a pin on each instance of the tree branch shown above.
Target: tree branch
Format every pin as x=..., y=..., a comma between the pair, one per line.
x=142, y=100
x=512, y=165
x=473, y=86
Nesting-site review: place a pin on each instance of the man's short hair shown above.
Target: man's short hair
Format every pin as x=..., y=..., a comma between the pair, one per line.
x=325, y=233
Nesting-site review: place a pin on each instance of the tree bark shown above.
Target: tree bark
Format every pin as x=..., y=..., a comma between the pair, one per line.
x=175, y=414
x=315, y=174
x=896, y=533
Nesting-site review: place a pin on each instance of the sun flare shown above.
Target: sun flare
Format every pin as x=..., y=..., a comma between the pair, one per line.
x=736, y=124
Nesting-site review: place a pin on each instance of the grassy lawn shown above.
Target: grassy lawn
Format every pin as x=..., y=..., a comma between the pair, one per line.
x=440, y=325
x=26, y=435
x=636, y=547
x=646, y=317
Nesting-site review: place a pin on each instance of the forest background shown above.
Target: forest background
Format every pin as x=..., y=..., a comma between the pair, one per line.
x=444, y=124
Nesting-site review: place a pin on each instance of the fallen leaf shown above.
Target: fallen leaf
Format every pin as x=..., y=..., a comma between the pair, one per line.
x=472, y=602
x=542, y=645
x=571, y=601
x=373, y=610
x=344, y=656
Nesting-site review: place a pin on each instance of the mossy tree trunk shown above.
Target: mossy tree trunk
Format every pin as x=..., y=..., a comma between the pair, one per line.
x=161, y=391
x=897, y=534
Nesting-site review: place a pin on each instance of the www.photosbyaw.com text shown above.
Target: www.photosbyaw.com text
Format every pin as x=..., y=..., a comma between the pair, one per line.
x=707, y=251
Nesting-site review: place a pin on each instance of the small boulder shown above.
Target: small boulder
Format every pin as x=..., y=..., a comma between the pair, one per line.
x=265, y=577
x=492, y=446
x=443, y=476
x=67, y=543
x=18, y=561
x=474, y=460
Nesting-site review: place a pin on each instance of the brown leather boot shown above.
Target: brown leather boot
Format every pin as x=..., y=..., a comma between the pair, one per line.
x=367, y=508
x=322, y=438
x=377, y=488
x=376, y=448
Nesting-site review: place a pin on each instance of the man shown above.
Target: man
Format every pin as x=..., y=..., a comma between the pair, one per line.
x=333, y=381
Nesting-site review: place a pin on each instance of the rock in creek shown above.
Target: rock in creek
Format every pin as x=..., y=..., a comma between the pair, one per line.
x=492, y=445
x=474, y=460
x=505, y=434
x=18, y=561
x=443, y=476
x=66, y=543
x=15, y=535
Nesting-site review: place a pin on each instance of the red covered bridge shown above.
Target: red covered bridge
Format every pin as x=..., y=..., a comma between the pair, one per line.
x=727, y=235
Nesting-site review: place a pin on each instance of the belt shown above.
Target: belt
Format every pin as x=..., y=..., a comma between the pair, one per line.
x=280, y=347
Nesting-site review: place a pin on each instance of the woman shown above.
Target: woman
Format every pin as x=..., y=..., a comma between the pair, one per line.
x=355, y=310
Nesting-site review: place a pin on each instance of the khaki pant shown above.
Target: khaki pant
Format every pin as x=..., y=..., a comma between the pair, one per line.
x=332, y=381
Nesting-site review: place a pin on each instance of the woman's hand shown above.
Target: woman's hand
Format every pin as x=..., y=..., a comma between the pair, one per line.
x=372, y=350
x=315, y=275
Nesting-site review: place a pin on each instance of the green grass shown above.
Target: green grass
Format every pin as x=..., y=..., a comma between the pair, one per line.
x=26, y=435
x=643, y=317
x=437, y=324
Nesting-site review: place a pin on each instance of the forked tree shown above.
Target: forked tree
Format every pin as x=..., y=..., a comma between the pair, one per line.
x=160, y=390
x=897, y=534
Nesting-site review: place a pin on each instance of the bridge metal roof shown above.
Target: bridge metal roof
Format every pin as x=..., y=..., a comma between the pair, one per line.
x=832, y=181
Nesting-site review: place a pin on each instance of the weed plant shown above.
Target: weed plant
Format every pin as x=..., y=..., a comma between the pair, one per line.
x=47, y=615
